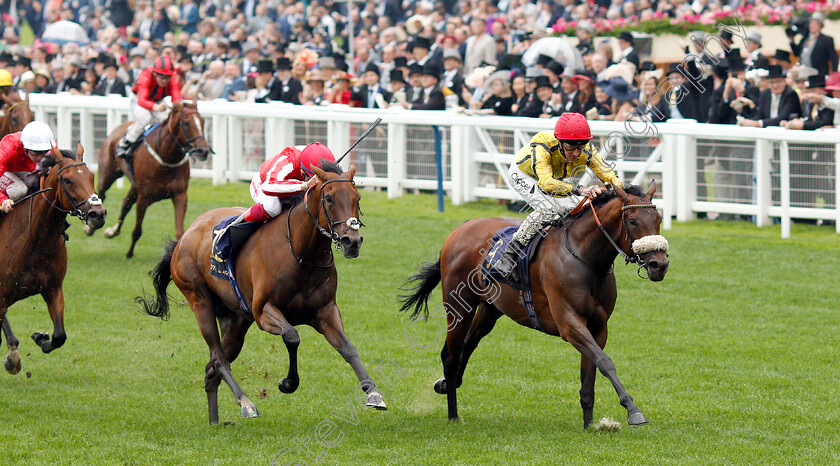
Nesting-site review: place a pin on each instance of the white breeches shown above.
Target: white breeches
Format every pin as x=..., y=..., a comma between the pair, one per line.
x=142, y=118
x=272, y=204
x=546, y=208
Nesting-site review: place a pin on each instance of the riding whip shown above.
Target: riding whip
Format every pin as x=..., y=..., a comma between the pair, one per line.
x=364, y=135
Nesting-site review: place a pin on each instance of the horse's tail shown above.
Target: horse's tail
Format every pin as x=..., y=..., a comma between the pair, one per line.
x=161, y=276
x=427, y=279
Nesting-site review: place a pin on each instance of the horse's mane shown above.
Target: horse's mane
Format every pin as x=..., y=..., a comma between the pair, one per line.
x=49, y=160
x=330, y=167
x=606, y=196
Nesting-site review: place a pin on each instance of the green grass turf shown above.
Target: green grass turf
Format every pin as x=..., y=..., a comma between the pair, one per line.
x=732, y=358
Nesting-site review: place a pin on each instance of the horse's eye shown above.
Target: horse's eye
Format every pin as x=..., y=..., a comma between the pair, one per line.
x=632, y=221
x=328, y=198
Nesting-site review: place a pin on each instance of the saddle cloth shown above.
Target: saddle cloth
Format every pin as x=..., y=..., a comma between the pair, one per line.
x=223, y=257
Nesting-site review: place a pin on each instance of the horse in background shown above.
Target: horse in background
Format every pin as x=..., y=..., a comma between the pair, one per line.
x=283, y=285
x=160, y=168
x=34, y=234
x=17, y=115
x=573, y=287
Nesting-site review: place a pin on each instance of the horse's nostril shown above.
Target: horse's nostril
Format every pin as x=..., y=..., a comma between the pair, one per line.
x=653, y=265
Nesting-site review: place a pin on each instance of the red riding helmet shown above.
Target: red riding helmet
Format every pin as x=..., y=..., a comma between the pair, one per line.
x=315, y=154
x=572, y=127
x=163, y=65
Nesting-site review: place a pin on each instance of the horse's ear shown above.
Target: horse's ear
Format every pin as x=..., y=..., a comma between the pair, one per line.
x=173, y=119
x=321, y=174
x=56, y=154
x=651, y=190
x=619, y=191
x=80, y=152
x=351, y=172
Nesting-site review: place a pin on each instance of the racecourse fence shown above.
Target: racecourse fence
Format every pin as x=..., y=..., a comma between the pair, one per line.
x=767, y=174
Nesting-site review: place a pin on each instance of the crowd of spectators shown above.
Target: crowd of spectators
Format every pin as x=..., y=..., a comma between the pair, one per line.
x=464, y=56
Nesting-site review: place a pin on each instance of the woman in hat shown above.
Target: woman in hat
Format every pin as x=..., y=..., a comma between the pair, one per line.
x=623, y=97
x=585, y=98
x=603, y=109
x=652, y=107
x=497, y=99
x=340, y=93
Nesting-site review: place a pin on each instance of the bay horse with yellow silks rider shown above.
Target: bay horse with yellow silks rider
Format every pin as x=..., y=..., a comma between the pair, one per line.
x=572, y=287
x=159, y=170
x=34, y=234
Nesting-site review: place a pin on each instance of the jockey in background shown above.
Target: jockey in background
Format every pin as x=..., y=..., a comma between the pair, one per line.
x=282, y=176
x=539, y=174
x=154, y=83
x=21, y=156
x=6, y=88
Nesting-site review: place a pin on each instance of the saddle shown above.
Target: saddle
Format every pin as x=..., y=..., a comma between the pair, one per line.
x=129, y=155
x=223, y=256
x=499, y=242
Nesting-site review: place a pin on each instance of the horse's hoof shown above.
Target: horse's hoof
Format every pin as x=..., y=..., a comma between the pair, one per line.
x=440, y=387
x=88, y=230
x=287, y=385
x=12, y=363
x=40, y=337
x=249, y=412
x=637, y=419
x=374, y=400
x=111, y=232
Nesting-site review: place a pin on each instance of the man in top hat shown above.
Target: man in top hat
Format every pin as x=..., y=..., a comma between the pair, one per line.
x=452, y=77
x=554, y=70
x=431, y=97
x=625, y=43
x=289, y=87
x=414, y=90
x=370, y=94
x=397, y=87
x=726, y=85
x=777, y=103
x=815, y=114
x=266, y=83
x=584, y=32
x=684, y=99
x=110, y=82
x=781, y=58
x=251, y=54
x=420, y=50
x=816, y=49
x=479, y=47
x=754, y=57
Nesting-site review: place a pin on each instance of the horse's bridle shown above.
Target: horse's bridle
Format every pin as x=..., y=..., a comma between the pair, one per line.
x=636, y=258
x=76, y=210
x=351, y=223
x=188, y=147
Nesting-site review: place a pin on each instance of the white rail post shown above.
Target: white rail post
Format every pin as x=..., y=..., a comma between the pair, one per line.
x=86, y=131
x=471, y=142
x=234, y=148
x=686, y=176
x=396, y=159
x=457, y=162
x=64, y=126
x=220, y=148
x=763, y=193
x=784, y=173
x=338, y=139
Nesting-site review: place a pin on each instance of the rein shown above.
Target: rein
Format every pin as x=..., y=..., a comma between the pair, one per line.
x=352, y=223
x=636, y=258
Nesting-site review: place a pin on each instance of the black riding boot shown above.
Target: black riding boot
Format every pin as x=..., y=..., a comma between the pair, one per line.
x=122, y=148
x=506, y=265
